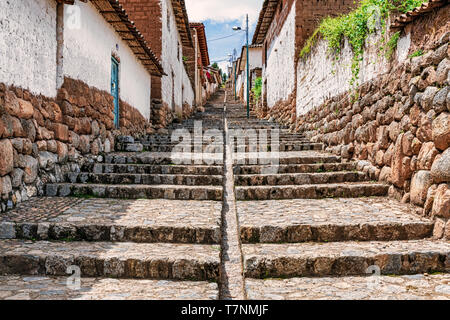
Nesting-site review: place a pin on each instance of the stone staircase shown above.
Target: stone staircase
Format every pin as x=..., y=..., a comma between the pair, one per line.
x=308, y=174
x=145, y=168
x=140, y=226
x=125, y=223
x=315, y=227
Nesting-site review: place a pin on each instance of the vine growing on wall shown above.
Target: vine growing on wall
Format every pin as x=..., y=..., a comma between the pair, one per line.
x=355, y=26
x=257, y=89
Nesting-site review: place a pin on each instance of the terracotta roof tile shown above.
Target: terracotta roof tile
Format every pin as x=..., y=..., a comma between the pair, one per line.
x=411, y=15
x=181, y=18
x=265, y=19
x=200, y=27
x=114, y=14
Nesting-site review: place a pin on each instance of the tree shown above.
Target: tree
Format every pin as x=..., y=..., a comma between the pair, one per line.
x=215, y=66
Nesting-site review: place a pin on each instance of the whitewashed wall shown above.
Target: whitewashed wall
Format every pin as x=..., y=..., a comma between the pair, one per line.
x=320, y=76
x=188, y=93
x=280, y=68
x=87, y=57
x=172, y=61
x=28, y=45
x=255, y=61
x=255, y=58
x=239, y=82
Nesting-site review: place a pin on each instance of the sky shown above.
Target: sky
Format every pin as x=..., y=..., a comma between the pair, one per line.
x=219, y=17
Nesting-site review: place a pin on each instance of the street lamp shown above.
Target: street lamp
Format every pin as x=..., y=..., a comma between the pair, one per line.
x=248, y=69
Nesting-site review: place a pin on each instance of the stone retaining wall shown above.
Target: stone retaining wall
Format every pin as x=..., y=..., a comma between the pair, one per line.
x=41, y=139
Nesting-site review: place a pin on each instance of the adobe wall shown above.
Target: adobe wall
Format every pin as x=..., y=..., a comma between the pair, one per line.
x=309, y=13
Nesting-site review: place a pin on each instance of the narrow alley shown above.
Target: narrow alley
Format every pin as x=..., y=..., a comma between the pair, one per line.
x=140, y=160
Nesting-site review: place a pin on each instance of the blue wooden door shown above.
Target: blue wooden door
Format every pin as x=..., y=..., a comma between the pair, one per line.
x=115, y=89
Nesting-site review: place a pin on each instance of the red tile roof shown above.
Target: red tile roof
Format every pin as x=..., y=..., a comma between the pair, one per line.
x=114, y=14
x=265, y=19
x=410, y=16
x=200, y=27
x=181, y=18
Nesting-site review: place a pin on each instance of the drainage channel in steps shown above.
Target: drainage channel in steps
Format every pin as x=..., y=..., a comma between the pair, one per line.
x=231, y=281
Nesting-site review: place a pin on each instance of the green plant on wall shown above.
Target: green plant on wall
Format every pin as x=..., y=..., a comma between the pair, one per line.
x=257, y=89
x=391, y=45
x=416, y=53
x=356, y=26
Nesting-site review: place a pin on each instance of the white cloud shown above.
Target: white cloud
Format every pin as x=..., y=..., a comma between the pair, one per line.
x=223, y=10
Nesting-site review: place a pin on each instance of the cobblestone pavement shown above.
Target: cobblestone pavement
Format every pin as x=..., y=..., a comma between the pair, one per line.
x=141, y=220
x=410, y=287
x=297, y=220
x=55, y=288
x=125, y=259
x=345, y=258
x=158, y=212
x=325, y=211
x=41, y=209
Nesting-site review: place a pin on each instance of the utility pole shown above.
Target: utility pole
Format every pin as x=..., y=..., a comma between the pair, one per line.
x=248, y=69
x=235, y=79
x=248, y=76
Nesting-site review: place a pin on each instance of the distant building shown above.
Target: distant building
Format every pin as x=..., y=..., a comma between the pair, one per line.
x=255, y=66
x=201, y=59
x=165, y=26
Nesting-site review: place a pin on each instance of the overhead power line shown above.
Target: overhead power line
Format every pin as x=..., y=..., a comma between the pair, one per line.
x=231, y=35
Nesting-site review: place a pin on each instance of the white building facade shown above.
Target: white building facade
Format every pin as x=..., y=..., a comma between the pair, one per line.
x=176, y=86
x=278, y=69
x=30, y=41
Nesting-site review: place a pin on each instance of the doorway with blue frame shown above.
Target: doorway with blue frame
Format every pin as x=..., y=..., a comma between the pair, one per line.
x=115, y=89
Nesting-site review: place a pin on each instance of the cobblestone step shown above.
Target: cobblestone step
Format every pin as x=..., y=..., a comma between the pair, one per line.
x=135, y=191
x=288, y=146
x=299, y=178
x=406, y=287
x=107, y=259
x=129, y=147
x=293, y=157
x=147, y=179
x=328, y=220
x=315, y=191
x=295, y=168
x=245, y=126
x=143, y=221
x=153, y=169
x=56, y=288
x=191, y=147
x=345, y=258
x=282, y=147
x=164, y=158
